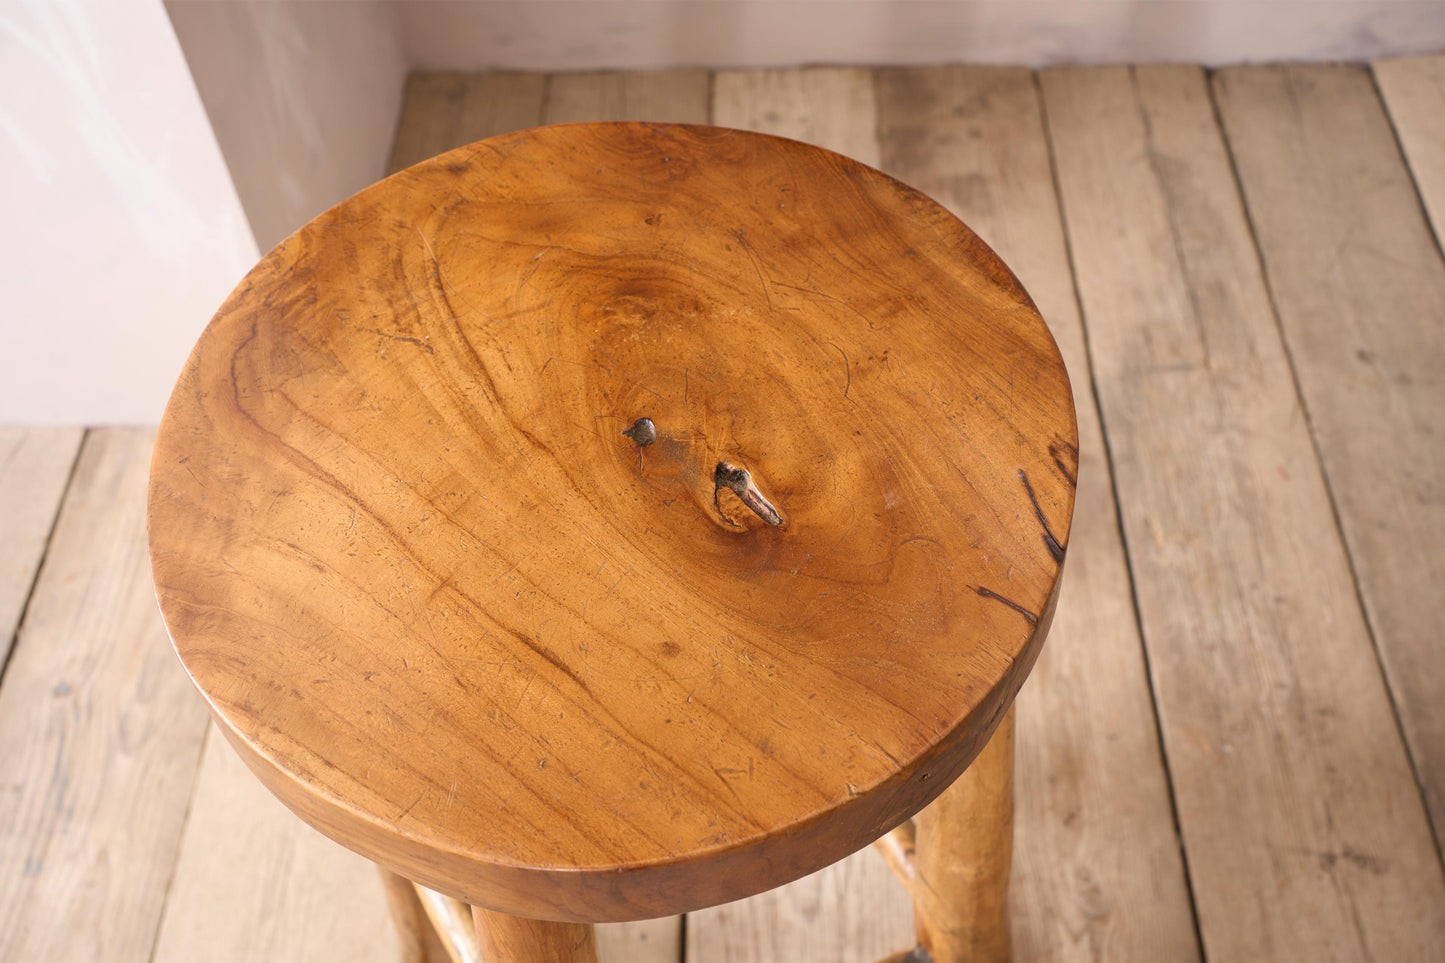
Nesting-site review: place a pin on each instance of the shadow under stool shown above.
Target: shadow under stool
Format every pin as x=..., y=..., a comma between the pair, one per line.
x=601, y=522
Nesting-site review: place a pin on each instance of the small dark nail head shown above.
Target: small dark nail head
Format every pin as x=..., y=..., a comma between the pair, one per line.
x=643, y=431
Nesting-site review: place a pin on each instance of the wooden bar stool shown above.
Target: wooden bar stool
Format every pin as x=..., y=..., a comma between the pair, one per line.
x=601, y=522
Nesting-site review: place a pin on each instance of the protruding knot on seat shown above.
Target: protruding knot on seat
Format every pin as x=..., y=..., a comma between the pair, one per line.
x=740, y=481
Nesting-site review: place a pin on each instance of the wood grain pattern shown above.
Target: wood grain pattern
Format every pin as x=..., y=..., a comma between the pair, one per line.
x=643, y=941
x=445, y=110
x=1305, y=832
x=671, y=96
x=661, y=96
x=1413, y=89
x=1097, y=871
x=35, y=465
x=852, y=911
x=100, y=733
x=453, y=921
x=437, y=116
x=418, y=939
x=963, y=850
x=443, y=610
x=1359, y=285
x=254, y=884
x=511, y=939
x=833, y=107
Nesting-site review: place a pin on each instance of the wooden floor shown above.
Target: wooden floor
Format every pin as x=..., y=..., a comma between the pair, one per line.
x=1233, y=747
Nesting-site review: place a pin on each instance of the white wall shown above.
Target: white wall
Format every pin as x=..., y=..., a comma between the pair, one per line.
x=122, y=231
x=304, y=98
x=583, y=34
x=125, y=228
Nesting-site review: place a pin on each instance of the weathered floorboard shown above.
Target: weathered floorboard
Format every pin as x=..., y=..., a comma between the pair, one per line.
x=852, y=912
x=255, y=883
x=1097, y=867
x=35, y=465
x=662, y=96
x=1414, y=93
x=1225, y=549
x=1305, y=834
x=446, y=110
x=833, y=107
x=100, y=731
x=1359, y=286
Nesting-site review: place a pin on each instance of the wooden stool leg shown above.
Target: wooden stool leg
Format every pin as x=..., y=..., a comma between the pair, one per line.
x=515, y=939
x=964, y=844
x=419, y=943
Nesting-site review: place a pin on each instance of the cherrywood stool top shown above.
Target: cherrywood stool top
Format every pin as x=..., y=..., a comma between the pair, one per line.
x=460, y=621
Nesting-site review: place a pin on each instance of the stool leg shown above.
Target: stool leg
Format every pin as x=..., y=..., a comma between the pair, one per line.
x=418, y=942
x=964, y=843
x=515, y=939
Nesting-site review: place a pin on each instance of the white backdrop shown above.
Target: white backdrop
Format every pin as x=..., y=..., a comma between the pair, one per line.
x=583, y=34
x=122, y=230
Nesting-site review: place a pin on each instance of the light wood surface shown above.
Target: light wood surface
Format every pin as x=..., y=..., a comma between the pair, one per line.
x=99, y=734
x=642, y=941
x=453, y=922
x=207, y=917
x=445, y=110
x=1359, y=286
x=833, y=107
x=660, y=96
x=925, y=141
x=1305, y=832
x=1413, y=89
x=1094, y=832
x=418, y=939
x=548, y=618
x=35, y=466
x=852, y=912
x=962, y=851
x=511, y=939
x=666, y=96
x=254, y=884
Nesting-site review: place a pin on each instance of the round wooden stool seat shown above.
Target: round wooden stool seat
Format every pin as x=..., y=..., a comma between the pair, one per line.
x=465, y=611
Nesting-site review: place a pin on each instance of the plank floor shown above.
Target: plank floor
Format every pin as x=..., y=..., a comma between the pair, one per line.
x=1233, y=747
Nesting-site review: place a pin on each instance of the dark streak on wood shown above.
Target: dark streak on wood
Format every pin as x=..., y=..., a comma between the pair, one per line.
x=1055, y=549
x=990, y=594
x=1070, y=473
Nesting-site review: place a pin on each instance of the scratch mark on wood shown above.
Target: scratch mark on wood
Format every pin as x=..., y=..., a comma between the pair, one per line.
x=400, y=337
x=989, y=594
x=847, y=368
x=402, y=814
x=433, y=254
x=742, y=237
